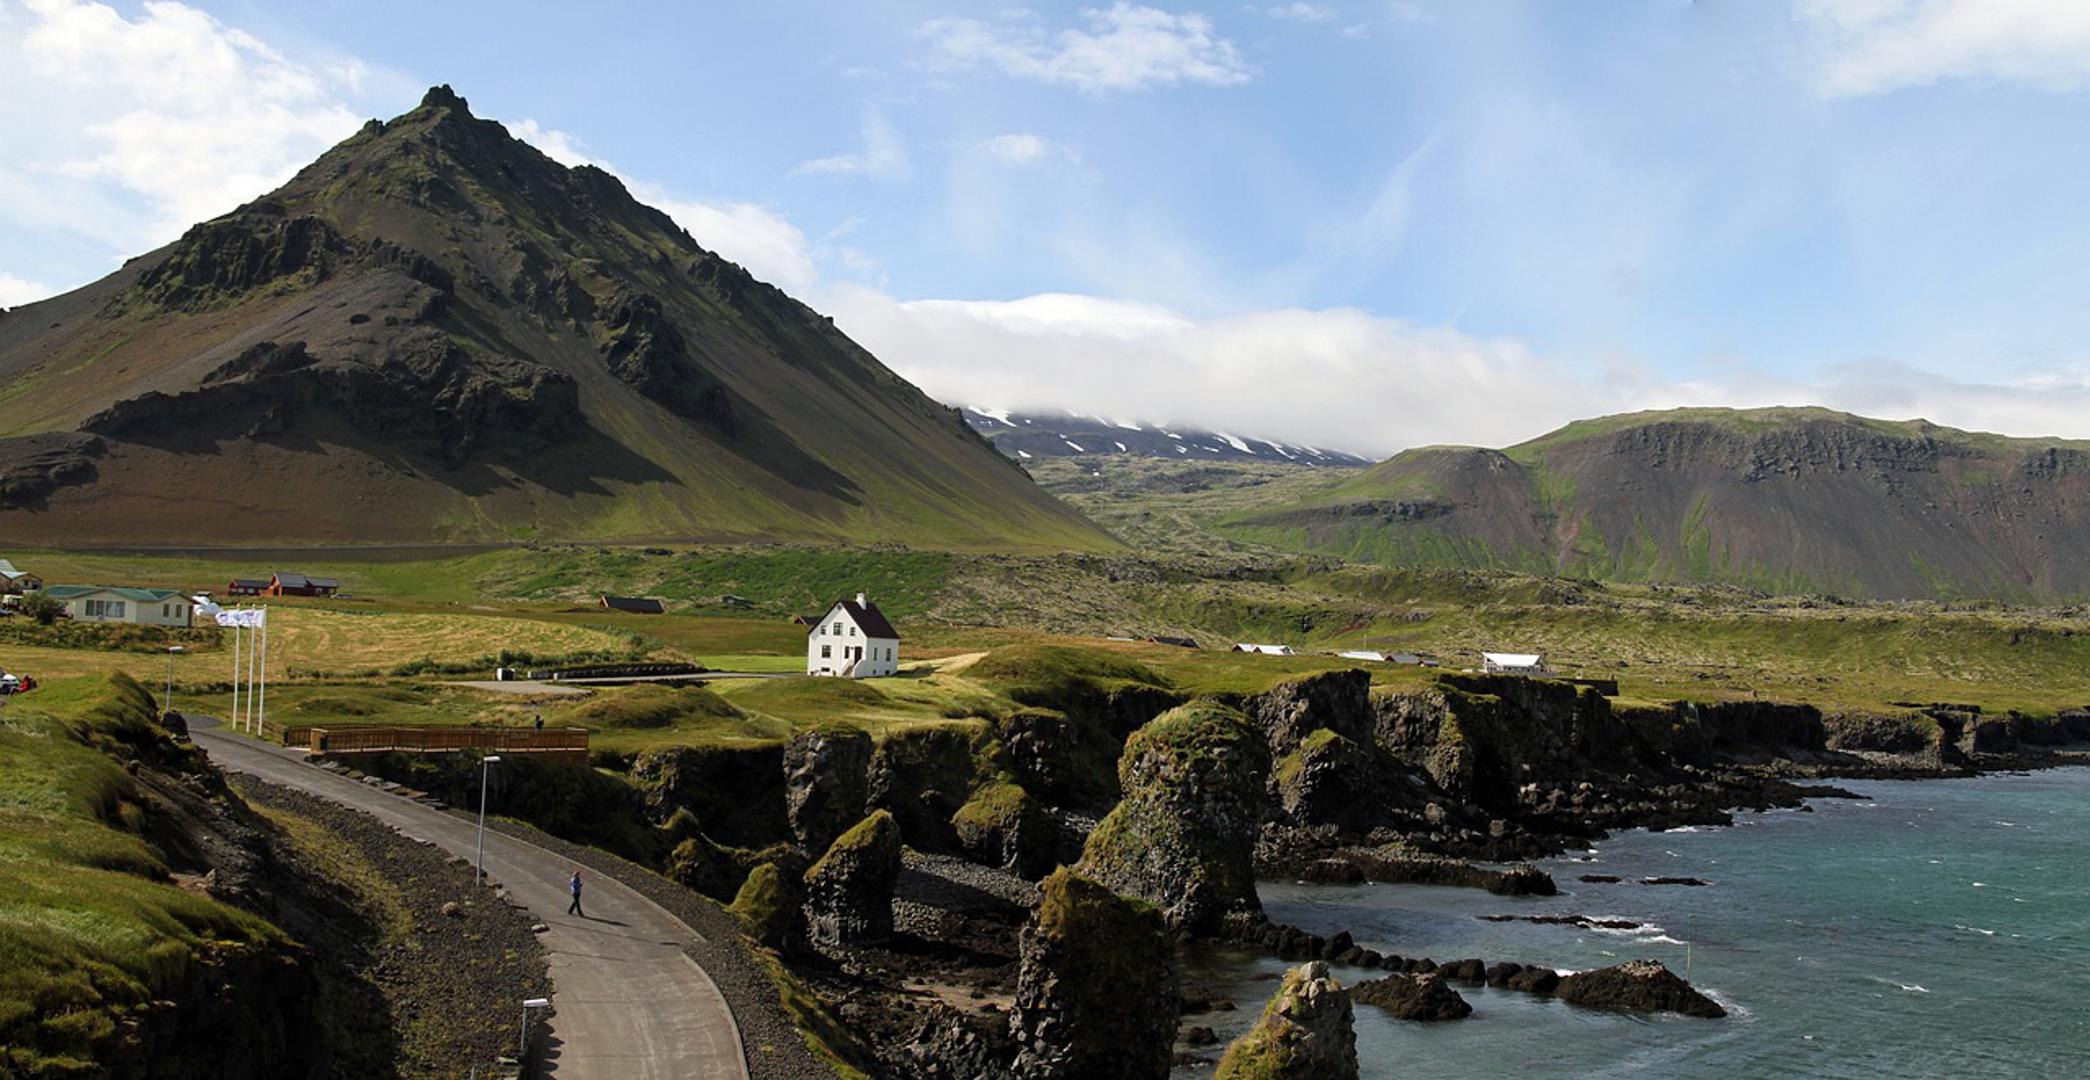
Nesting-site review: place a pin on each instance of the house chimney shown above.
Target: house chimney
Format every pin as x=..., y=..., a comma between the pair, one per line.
x=861, y=600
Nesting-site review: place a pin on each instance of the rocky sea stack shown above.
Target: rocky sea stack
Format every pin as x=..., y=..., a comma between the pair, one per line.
x=1307, y=1032
x=1096, y=995
x=1183, y=836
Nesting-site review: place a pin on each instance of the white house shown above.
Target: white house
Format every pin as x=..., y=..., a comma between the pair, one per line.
x=101, y=603
x=1362, y=654
x=1503, y=663
x=1266, y=650
x=853, y=641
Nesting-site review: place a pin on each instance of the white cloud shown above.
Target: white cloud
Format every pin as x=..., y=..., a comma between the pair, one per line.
x=556, y=145
x=1875, y=46
x=128, y=130
x=881, y=154
x=755, y=236
x=1016, y=148
x=16, y=291
x=1347, y=379
x=1301, y=12
x=1124, y=47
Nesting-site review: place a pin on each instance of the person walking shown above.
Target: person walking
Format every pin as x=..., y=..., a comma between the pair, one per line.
x=574, y=886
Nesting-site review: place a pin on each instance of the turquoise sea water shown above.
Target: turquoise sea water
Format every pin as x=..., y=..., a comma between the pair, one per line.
x=1940, y=929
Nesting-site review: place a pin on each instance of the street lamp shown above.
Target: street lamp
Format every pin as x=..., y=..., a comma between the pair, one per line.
x=479, y=859
x=172, y=650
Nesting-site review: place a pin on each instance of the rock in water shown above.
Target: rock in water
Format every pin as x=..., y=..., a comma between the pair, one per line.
x=849, y=892
x=1183, y=836
x=1096, y=993
x=826, y=783
x=1307, y=1032
x=1413, y=997
x=1637, y=985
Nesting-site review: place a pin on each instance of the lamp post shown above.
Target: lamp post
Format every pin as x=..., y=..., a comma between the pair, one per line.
x=172, y=651
x=479, y=858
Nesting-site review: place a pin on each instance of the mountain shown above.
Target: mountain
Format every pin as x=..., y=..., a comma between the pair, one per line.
x=435, y=333
x=1037, y=435
x=1783, y=499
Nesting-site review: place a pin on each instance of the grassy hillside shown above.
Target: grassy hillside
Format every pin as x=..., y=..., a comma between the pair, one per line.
x=1783, y=500
x=436, y=334
x=93, y=930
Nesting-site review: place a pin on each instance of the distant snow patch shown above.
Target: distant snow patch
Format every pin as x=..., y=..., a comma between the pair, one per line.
x=999, y=415
x=1023, y=453
x=1078, y=448
x=1234, y=442
x=1122, y=448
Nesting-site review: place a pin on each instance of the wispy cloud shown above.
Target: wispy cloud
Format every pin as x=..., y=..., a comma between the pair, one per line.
x=1121, y=48
x=880, y=153
x=1301, y=12
x=1017, y=149
x=1868, y=47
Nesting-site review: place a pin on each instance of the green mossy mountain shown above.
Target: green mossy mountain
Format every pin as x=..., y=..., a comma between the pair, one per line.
x=434, y=333
x=1788, y=500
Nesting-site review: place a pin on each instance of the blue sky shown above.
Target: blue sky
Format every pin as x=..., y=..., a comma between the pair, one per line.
x=1366, y=223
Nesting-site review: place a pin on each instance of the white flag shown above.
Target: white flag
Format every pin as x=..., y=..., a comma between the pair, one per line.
x=244, y=617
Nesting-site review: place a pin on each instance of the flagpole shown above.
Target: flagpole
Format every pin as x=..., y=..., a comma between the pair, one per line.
x=234, y=718
x=261, y=721
x=251, y=643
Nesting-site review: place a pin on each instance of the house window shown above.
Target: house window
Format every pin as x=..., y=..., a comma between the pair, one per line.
x=852, y=631
x=105, y=609
x=826, y=651
x=838, y=629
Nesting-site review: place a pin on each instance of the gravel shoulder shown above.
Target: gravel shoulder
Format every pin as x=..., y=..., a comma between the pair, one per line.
x=447, y=963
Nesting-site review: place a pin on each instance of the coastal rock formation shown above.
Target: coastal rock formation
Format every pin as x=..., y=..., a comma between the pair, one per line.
x=1307, y=1032
x=1639, y=986
x=1096, y=991
x=1183, y=837
x=1330, y=779
x=1001, y=825
x=826, y=783
x=736, y=792
x=921, y=776
x=849, y=892
x=1413, y=997
x=1337, y=701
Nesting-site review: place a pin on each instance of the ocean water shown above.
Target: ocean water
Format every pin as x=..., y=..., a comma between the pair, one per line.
x=1941, y=928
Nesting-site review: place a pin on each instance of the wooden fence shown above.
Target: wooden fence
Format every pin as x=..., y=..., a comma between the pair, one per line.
x=562, y=745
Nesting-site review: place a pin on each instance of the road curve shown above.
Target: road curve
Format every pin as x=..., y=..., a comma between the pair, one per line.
x=630, y=1002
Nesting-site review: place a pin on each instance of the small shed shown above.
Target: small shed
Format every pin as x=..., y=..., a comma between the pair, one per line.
x=1178, y=642
x=1266, y=650
x=636, y=605
x=1363, y=654
x=13, y=580
x=1499, y=663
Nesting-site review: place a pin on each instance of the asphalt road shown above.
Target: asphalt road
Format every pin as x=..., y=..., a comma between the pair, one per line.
x=630, y=1002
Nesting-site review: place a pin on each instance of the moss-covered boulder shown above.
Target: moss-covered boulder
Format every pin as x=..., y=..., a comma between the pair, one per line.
x=1183, y=836
x=771, y=907
x=827, y=783
x=1307, y=1032
x=849, y=892
x=1330, y=779
x=1001, y=825
x=1096, y=992
x=717, y=870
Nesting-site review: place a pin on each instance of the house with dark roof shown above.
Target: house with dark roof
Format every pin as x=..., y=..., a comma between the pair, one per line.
x=853, y=640
x=636, y=605
x=285, y=583
x=247, y=586
x=1178, y=642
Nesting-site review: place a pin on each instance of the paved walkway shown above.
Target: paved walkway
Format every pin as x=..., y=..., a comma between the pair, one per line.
x=630, y=1002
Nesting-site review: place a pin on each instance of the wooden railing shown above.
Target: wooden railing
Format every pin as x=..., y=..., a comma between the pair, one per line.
x=552, y=744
